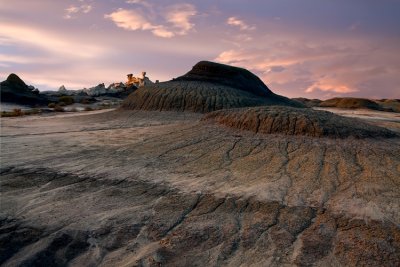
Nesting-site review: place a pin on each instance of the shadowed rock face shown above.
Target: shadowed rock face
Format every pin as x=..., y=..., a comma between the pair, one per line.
x=295, y=121
x=14, y=90
x=238, y=78
x=207, y=87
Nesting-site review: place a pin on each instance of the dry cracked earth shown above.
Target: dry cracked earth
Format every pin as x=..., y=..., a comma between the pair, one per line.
x=142, y=188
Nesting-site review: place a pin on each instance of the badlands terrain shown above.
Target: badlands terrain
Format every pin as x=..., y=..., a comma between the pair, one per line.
x=229, y=177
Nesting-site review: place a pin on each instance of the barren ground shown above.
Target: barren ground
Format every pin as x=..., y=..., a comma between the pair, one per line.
x=135, y=188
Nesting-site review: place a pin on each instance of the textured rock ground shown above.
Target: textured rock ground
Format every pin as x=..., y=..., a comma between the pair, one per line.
x=163, y=188
x=207, y=87
x=296, y=121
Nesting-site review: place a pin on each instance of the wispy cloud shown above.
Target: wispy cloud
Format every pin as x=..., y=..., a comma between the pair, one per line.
x=72, y=11
x=140, y=2
x=168, y=22
x=133, y=20
x=48, y=42
x=179, y=16
x=130, y=20
x=243, y=26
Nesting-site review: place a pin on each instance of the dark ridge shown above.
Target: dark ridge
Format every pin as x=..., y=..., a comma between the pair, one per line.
x=235, y=77
x=14, y=90
x=208, y=87
x=295, y=121
x=14, y=80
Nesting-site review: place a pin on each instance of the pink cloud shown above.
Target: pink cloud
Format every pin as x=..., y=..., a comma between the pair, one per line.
x=176, y=19
x=243, y=26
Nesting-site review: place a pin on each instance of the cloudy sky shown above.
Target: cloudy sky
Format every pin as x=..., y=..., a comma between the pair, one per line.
x=308, y=48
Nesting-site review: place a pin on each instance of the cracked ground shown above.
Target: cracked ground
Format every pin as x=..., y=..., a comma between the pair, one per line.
x=136, y=188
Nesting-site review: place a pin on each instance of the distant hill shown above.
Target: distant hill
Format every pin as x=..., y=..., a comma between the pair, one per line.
x=15, y=90
x=207, y=87
x=391, y=105
x=308, y=102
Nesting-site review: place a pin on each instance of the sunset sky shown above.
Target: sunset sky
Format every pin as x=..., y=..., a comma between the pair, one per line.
x=308, y=48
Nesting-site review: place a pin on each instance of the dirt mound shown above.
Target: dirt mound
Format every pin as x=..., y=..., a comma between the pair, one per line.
x=295, y=121
x=207, y=87
x=350, y=102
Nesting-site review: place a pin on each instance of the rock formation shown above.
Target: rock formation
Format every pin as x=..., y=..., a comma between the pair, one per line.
x=14, y=90
x=207, y=87
x=295, y=121
x=138, y=81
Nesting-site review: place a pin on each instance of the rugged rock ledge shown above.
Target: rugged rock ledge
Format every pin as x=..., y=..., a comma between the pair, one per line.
x=295, y=121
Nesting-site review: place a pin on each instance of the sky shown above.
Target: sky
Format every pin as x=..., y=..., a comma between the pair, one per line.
x=299, y=48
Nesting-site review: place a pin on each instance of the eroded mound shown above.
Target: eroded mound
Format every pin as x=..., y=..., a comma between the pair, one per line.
x=295, y=121
x=350, y=102
x=207, y=87
x=195, y=96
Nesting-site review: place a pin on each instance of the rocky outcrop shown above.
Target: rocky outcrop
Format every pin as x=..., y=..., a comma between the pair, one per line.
x=138, y=81
x=14, y=90
x=207, y=87
x=295, y=121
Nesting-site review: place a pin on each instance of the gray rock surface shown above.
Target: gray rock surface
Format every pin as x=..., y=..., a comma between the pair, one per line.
x=140, y=188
